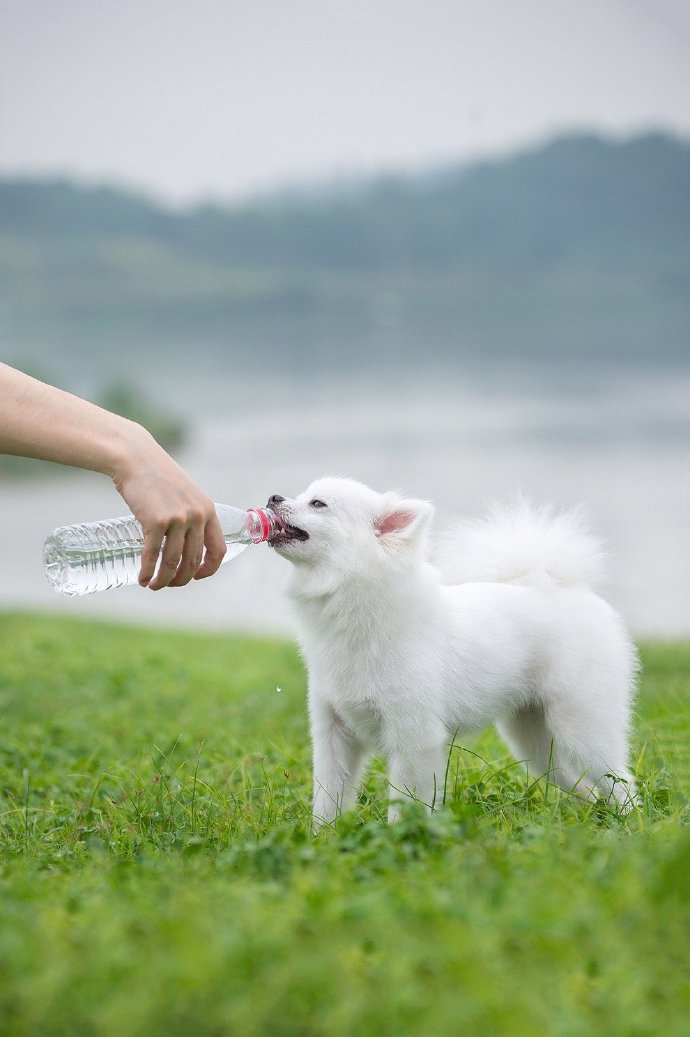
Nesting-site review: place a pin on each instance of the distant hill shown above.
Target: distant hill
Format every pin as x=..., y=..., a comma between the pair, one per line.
x=577, y=199
x=581, y=244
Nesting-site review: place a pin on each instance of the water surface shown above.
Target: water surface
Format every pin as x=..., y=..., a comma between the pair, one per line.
x=618, y=443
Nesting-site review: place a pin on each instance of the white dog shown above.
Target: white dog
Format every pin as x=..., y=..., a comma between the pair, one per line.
x=399, y=664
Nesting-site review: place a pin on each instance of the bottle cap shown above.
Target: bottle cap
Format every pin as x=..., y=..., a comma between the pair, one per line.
x=260, y=524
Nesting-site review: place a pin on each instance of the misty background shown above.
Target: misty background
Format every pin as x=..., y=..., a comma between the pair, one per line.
x=442, y=247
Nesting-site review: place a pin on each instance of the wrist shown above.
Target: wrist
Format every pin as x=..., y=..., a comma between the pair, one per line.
x=129, y=448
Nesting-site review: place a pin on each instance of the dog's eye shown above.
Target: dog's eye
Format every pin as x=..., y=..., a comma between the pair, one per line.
x=317, y=504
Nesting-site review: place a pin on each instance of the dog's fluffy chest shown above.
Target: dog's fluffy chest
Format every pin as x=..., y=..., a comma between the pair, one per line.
x=370, y=652
x=370, y=682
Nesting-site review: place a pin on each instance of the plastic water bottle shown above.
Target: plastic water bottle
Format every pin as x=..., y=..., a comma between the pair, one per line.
x=99, y=556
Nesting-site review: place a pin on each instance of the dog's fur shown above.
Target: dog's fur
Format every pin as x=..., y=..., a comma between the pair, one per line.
x=399, y=663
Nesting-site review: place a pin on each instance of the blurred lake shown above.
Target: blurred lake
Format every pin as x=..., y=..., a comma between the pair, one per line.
x=616, y=440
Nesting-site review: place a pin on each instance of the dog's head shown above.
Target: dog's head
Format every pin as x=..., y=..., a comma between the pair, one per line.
x=339, y=529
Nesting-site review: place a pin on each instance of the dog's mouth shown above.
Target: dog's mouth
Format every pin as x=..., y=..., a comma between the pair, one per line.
x=286, y=534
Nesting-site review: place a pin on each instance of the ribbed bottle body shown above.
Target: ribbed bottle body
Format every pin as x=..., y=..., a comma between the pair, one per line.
x=93, y=556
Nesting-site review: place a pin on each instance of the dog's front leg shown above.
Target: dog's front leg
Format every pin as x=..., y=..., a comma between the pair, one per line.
x=416, y=772
x=338, y=759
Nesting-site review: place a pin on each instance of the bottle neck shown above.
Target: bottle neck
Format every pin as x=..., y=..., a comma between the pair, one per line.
x=261, y=524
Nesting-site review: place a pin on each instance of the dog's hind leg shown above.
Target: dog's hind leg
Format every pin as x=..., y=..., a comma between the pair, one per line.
x=587, y=700
x=599, y=752
x=533, y=743
x=581, y=756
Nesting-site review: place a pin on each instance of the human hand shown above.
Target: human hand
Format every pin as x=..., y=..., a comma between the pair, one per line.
x=41, y=421
x=173, y=513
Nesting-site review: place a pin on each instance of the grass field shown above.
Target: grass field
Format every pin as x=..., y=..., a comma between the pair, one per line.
x=157, y=875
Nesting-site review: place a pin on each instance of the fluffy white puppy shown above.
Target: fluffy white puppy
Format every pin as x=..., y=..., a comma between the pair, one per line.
x=399, y=663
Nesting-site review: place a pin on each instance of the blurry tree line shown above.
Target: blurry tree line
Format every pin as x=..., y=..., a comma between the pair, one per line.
x=579, y=199
x=578, y=248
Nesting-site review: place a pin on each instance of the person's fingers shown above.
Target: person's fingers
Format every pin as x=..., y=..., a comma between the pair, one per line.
x=170, y=558
x=215, y=545
x=149, y=556
x=191, y=555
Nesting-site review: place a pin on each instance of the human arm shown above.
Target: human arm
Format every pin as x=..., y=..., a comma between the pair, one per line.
x=43, y=422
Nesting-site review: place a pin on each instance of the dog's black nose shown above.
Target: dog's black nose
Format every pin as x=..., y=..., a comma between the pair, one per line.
x=275, y=500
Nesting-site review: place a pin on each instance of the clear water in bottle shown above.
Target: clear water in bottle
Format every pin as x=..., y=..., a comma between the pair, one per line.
x=98, y=556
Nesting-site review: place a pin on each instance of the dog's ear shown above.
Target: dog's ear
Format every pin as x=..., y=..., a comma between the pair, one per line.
x=403, y=520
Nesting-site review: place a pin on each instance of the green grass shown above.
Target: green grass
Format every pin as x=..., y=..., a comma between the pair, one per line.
x=157, y=875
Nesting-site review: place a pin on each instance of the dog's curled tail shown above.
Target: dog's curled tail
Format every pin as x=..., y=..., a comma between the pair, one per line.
x=523, y=544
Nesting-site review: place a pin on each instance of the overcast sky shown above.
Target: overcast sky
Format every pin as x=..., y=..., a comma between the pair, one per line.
x=192, y=98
